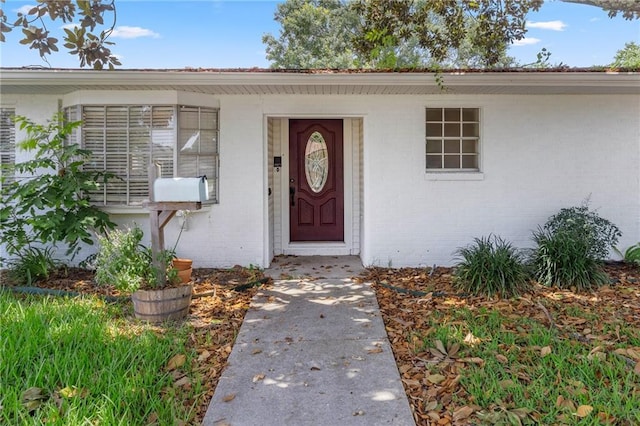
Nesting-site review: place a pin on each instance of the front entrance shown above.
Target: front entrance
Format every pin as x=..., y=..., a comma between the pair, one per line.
x=316, y=180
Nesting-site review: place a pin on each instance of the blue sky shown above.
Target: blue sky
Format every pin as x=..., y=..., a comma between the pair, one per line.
x=228, y=34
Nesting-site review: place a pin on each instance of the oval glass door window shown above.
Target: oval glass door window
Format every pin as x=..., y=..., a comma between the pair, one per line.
x=316, y=162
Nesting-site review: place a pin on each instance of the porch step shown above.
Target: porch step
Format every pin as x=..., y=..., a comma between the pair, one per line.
x=312, y=350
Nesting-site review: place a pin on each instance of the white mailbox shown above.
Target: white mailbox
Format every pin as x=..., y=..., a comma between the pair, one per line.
x=180, y=189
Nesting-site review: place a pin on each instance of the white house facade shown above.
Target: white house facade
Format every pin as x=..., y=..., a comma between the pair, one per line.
x=392, y=167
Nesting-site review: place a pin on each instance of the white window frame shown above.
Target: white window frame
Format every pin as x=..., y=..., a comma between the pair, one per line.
x=443, y=138
x=167, y=133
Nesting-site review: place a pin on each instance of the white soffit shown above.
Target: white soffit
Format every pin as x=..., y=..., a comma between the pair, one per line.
x=266, y=82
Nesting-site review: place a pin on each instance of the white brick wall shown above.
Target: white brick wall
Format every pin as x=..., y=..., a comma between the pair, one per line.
x=538, y=154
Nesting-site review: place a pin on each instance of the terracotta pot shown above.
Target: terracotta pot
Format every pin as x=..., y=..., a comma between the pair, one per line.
x=185, y=275
x=162, y=304
x=182, y=264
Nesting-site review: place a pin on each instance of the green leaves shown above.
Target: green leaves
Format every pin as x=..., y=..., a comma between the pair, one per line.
x=484, y=27
x=81, y=41
x=570, y=248
x=123, y=262
x=491, y=266
x=33, y=265
x=313, y=34
x=632, y=254
x=564, y=259
x=580, y=222
x=49, y=203
x=628, y=57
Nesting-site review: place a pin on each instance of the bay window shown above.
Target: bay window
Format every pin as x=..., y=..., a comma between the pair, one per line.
x=124, y=139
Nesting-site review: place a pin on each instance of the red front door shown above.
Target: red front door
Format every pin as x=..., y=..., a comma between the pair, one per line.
x=316, y=181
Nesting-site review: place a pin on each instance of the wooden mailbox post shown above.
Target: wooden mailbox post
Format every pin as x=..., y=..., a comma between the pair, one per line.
x=160, y=213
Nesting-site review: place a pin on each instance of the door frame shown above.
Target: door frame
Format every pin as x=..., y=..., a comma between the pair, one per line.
x=281, y=243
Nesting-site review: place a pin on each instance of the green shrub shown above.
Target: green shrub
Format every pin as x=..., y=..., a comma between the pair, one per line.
x=124, y=262
x=631, y=255
x=564, y=259
x=33, y=265
x=48, y=202
x=599, y=234
x=491, y=266
x=571, y=246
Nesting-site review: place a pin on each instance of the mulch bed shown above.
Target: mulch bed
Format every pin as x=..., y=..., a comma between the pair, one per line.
x=408, y=296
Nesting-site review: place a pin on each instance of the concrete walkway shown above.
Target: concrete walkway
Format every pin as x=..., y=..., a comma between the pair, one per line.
x=312, y=350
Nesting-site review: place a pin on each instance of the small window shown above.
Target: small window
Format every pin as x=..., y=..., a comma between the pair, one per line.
x=452, y=138
x=7, y=144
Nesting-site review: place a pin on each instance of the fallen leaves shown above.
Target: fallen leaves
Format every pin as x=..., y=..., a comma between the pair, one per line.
x=216, y=321
x=632, y=353
x=32, y=398
x=514, y=416
x=463, y=413
x=204, y=355
x=471, y=340
x=228, y=398
x=73, y=392
x=584, y=411
x=176, y=361
x=442, y=354
x=432, y=365
x=436, y=378
x=473, y=360
x=502, y=359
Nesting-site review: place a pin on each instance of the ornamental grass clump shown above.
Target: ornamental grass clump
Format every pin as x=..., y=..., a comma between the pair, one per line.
x=564, y=259
x=631, y=255
x=491, y=266
x=34, y=264
x=571, y=248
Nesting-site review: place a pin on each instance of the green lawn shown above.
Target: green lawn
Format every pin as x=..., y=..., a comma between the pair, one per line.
x=514, y=364
x=81, y=361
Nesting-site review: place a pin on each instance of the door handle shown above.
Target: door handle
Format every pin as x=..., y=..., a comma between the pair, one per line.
x=292, y=195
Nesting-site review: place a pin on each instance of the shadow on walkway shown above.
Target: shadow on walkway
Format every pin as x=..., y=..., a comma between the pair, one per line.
x=312, y=350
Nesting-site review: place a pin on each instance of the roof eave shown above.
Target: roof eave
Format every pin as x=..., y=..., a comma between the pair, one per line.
x=459, y=80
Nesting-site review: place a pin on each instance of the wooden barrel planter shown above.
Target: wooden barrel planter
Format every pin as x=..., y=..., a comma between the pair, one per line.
x=162, y=304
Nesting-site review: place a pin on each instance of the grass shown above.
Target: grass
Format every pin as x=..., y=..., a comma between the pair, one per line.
x=491, y=265
x=79, y=361
x=565, y=260
x=529, y=369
